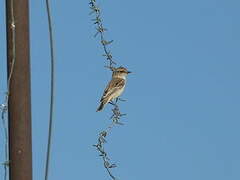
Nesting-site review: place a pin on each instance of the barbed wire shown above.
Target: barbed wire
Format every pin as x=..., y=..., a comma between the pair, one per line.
x=4, y=110
x=4, y=105
x=100, y=30
x=102, y=138
x=116, y=114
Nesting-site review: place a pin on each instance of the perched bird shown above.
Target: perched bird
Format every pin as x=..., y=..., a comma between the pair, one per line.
x=115, y=87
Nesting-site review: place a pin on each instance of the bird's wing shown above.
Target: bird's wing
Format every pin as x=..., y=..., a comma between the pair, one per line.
x=114, y=85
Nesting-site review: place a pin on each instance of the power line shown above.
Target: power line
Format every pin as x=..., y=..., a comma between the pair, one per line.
x=51, y=91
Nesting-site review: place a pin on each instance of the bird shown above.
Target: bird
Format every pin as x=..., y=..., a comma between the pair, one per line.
x=115, y=87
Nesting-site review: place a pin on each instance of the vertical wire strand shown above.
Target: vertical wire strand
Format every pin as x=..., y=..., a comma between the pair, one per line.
x=116, y=114
x=4, y=106
x=52, y=90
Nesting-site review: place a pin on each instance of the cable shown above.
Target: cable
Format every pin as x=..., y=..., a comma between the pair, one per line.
x=4, y=105
x=52, y=90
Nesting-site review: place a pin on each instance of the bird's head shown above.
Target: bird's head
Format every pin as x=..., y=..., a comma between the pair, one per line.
x=121, y=72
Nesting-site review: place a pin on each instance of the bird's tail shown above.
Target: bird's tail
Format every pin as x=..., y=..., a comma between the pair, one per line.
x=100, y=106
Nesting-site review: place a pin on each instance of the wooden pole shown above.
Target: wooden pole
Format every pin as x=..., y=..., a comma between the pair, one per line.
x=19, y=104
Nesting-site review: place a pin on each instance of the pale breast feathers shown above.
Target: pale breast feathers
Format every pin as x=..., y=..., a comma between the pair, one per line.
x=113, y=86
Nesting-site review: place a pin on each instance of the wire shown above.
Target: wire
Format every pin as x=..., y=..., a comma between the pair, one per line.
x=4, y=106
x=52, y=90
x=116, y=114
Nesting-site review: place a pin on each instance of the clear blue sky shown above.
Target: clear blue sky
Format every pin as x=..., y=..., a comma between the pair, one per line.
x=183, y=99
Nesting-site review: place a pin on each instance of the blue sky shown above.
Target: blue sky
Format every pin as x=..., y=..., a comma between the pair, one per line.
x=183, y=96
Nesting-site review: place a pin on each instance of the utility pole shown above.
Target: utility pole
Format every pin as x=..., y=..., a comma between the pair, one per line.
x=19, y=104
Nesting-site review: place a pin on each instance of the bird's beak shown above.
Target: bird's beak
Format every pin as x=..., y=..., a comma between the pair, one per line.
x=129, y=72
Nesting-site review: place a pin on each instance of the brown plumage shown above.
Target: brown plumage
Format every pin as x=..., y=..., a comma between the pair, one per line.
x=115, y=87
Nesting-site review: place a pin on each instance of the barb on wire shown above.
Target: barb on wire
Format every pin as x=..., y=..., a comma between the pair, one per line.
x=102, y=138
x=100, y=31
x=4, y=105
x=4, y=109
x=116, y=114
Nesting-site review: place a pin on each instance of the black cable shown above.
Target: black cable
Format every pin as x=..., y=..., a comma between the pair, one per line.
x=52, y=90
